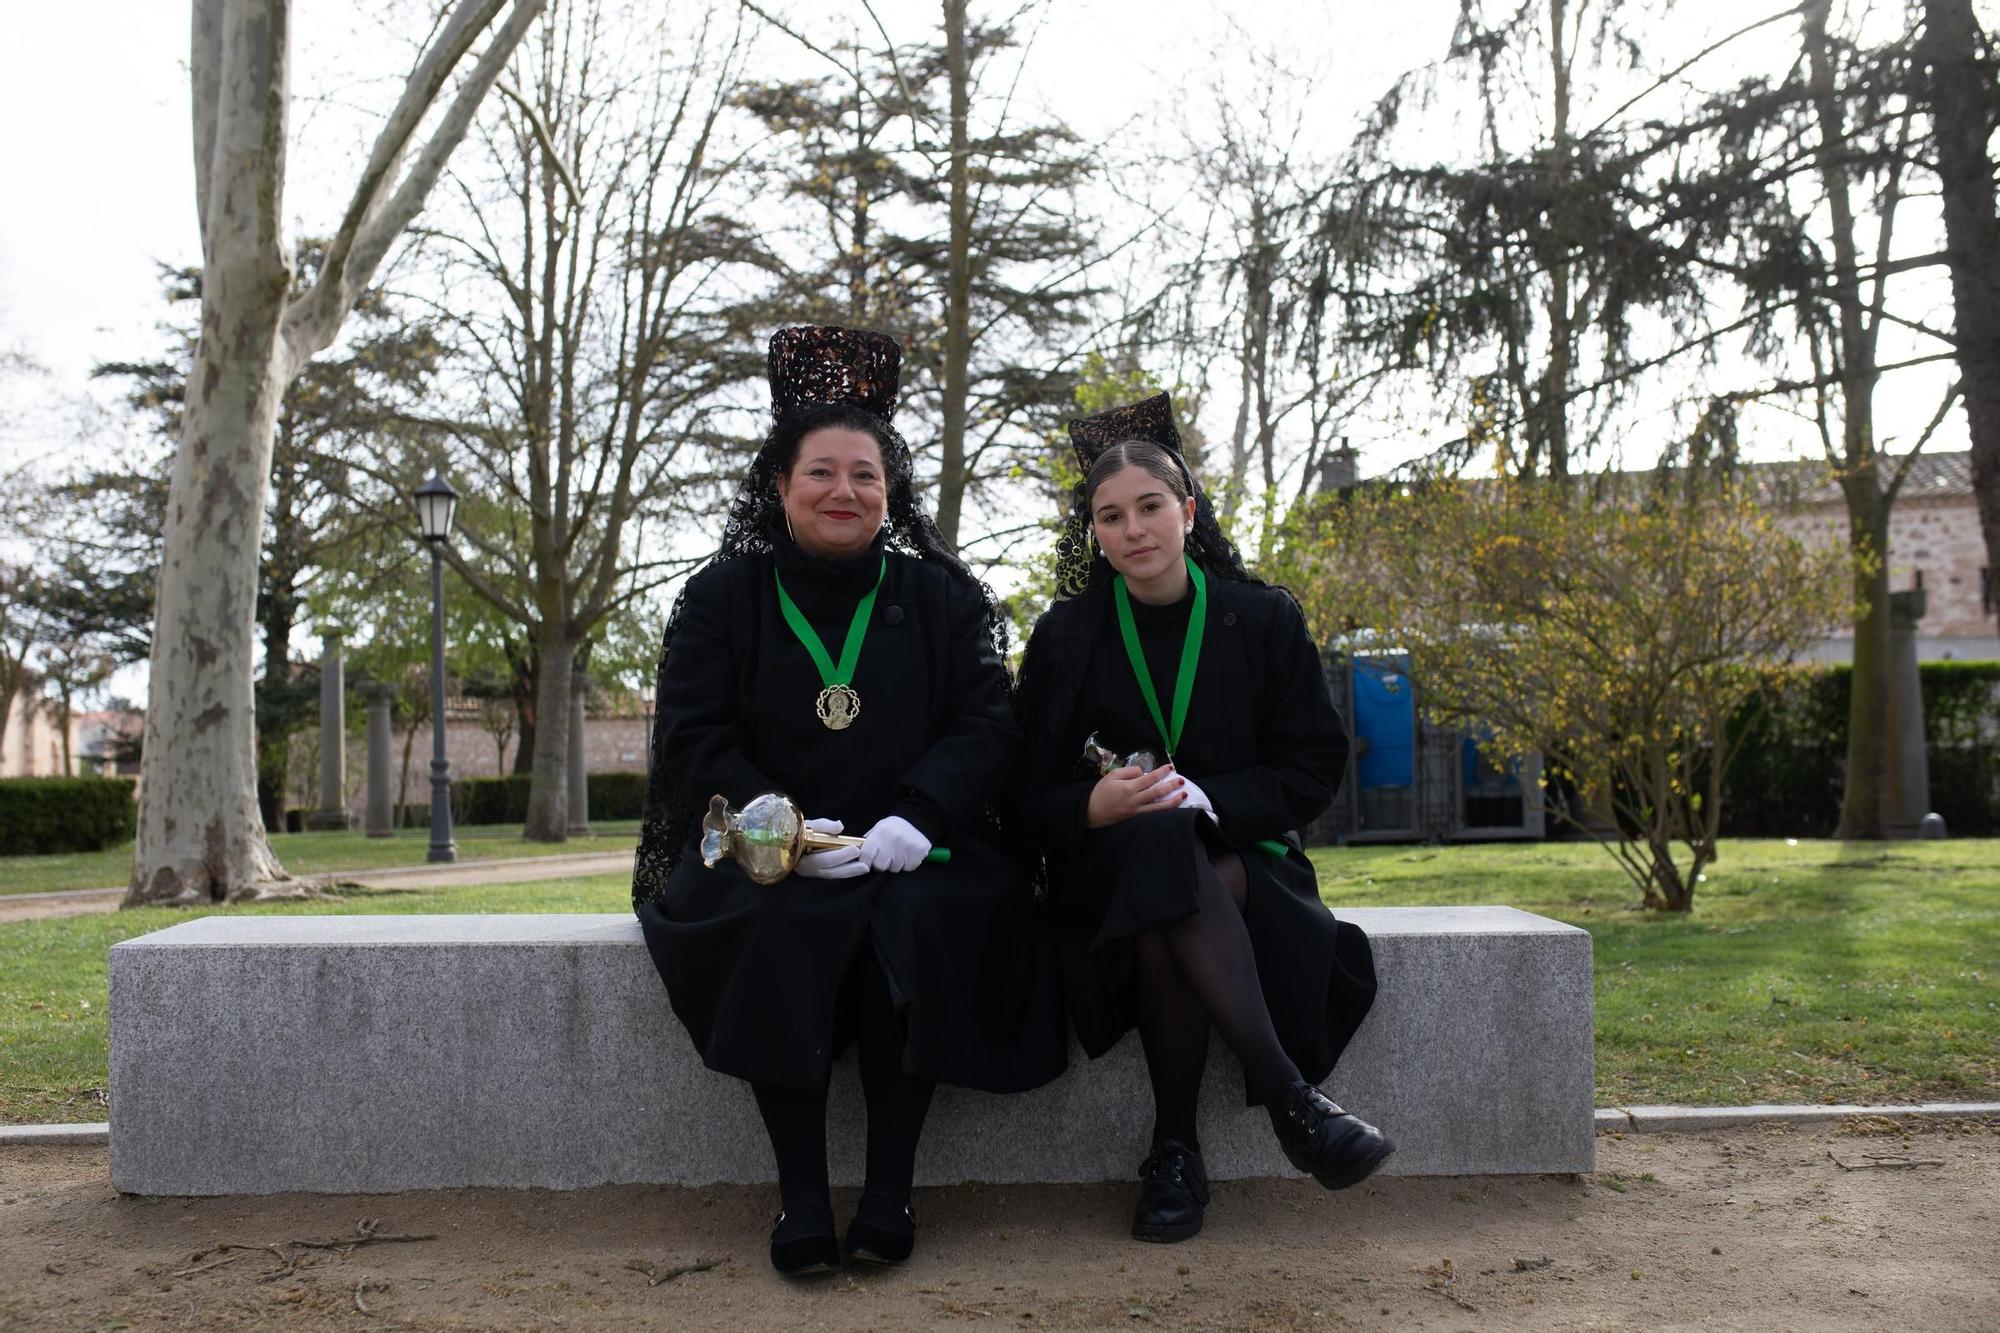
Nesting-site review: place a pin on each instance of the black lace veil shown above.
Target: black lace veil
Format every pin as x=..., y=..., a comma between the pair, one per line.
x=820, y=377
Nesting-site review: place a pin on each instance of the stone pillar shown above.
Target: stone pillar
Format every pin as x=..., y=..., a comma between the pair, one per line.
x=381, y=794
x=332, y=811
x=579, y=778
x=1909, y=795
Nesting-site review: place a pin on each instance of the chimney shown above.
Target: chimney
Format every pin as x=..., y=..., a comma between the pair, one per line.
x=1340, y=469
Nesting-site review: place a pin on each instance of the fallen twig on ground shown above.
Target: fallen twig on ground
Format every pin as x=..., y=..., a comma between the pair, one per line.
x=656, y=1276
x=367, y=1284
x=1884, y=1162
x=190, y=1272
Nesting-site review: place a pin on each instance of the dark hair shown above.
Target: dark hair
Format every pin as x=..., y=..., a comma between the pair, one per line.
x=781, y=446
x=1153, y=459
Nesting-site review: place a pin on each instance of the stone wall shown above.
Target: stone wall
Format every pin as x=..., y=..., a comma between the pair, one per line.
x=611, y=745
x=1935, y=543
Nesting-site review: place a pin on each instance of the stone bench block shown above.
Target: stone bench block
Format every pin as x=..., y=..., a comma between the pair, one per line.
x=344, y=1054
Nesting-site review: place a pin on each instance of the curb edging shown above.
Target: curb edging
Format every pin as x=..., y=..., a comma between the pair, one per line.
x=54, y=1136
x=1667, y=1119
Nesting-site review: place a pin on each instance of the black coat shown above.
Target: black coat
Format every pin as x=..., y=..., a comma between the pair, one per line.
x=754, y=971
x=1263, y=740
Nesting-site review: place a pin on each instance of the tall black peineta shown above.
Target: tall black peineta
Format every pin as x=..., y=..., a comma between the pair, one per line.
x=819, y=364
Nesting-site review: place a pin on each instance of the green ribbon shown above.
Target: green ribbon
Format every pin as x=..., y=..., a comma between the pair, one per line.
x=1190, y=655
x=1184, y=683
x=830, y=674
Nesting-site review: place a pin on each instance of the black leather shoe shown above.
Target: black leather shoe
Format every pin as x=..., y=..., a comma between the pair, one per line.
x=883, y=1231
x=803, y=1243
x=1335, y=1148
x=1173, y=1193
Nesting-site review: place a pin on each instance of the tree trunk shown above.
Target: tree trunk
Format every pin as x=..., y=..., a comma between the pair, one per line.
x=1864, y=794
x=526, y=673
x=1864, y=790
x=548, y=788
x=1963, y=105
x=62, y=720
x=952, y=477
x=1555, y=394
x=200, y=743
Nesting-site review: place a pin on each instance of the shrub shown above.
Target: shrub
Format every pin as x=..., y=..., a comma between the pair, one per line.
x=39, y=816
x=1786, y=781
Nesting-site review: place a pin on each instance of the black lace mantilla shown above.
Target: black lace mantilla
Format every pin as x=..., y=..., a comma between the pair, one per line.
x=814, y=372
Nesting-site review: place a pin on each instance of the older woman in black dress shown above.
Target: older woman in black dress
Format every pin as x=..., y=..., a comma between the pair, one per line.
x=836, y=651
x=1179, y=893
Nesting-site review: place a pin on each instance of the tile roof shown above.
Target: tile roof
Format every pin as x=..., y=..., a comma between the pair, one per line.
x=1810, y=481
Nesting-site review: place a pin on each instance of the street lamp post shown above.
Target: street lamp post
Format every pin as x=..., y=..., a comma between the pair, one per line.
x=646, y=698
x=436, y=503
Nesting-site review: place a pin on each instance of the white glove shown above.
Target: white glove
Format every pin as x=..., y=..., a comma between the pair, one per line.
x=834, y=862
x=895, y=844
x=1197, y=799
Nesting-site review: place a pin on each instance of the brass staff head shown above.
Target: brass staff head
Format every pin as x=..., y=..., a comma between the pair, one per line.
x=764, y=837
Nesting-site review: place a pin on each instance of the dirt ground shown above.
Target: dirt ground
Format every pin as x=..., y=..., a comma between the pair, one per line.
x=1860, y=1226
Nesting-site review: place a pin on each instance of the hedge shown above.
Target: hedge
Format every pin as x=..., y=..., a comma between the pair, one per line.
x=505, y=800
x=1786, y=781
x=39, y=816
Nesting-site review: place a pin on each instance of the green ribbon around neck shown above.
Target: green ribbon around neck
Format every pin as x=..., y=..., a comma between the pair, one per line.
x=1190, y=655
x=1184, y=682
x=830, y=673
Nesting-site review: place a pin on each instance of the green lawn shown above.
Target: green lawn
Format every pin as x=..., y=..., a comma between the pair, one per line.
x=316, y=854
x=1808, y=973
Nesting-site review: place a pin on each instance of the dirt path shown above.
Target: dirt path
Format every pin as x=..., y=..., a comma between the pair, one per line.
x=522, y=870
x=1746, y=1229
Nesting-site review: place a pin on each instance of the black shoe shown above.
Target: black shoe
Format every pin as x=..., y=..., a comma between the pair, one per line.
x=883, y=1231
x=1173, y=1193
x=803, y=1243
x=1335, y=1148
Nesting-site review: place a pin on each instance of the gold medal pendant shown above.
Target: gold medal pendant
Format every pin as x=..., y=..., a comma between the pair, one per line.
x=838, y=706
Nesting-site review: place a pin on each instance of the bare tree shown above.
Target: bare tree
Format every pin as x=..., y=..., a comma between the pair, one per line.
x=201, y=836
x=594, y=264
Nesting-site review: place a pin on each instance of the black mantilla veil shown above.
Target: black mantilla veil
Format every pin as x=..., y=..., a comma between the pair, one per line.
x=1053, y=674
x=820, y=377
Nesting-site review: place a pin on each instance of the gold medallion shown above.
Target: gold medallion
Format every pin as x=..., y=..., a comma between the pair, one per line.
x=838, y=706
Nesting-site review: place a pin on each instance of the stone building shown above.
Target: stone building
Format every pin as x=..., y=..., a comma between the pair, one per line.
x=1934, y=544
x=31, y=745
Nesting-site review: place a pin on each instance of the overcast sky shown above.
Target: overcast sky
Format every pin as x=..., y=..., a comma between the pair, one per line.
x=99, y=184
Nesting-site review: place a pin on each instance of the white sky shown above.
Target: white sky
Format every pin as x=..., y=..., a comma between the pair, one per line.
x=98, y=181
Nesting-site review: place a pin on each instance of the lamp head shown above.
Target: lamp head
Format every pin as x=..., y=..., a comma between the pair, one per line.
x=437, y=505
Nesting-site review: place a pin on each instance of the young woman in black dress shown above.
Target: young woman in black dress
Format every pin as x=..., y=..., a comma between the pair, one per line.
x=836, y=651
x=1179, y=895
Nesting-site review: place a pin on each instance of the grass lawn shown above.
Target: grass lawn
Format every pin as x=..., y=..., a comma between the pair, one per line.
x=317, y=854
x=1816, y=972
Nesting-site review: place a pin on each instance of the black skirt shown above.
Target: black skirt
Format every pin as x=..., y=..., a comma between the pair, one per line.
x=755, y=972
x=1316, y=971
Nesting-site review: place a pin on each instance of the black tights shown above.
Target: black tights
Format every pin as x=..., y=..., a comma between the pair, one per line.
x=897, y=1102
x=1195, y=971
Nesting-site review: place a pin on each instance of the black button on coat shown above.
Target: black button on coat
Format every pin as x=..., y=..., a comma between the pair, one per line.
x=754, y=971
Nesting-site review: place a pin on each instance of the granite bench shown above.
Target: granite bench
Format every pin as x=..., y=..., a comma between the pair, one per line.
x=340, y=1054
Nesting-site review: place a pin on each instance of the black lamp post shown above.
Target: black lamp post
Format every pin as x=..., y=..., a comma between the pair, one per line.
x=437, y=503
